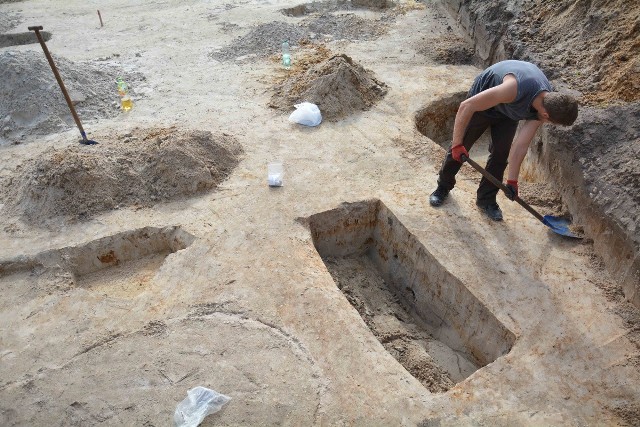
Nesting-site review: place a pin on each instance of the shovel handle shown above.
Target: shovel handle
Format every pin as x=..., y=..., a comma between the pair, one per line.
x=501, y=186
x=37, y=29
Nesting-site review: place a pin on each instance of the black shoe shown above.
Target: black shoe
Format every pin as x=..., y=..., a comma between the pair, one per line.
x=492, y=210
x=438, y=196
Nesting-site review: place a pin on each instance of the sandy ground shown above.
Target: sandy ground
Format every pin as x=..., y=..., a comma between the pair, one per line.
x=248, y=307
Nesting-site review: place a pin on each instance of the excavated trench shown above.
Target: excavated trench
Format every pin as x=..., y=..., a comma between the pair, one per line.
x=435, y=121
x=593, y=162
x=422, y=314
x=17, y=39
x=549, y=162
x=618, y=247
x=122, y=265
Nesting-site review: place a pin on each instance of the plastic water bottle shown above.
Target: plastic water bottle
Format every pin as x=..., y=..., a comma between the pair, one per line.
x=286, y=55
x=122, y=86
x=123, y=90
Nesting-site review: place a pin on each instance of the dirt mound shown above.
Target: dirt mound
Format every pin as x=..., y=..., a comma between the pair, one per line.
x=448, y=49
x=8, y=20
x=32, y=102
x=376, y=4
x=145, y=167
x=266, y=39
x=261, y=41
x=339, y=87
x=346, y=27
x=17, y=39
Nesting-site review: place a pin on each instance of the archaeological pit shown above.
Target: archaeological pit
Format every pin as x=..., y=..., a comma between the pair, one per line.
x=18, y=39
x=121, y=265
x=160, y=260
x=418, y=310
x=435, y=121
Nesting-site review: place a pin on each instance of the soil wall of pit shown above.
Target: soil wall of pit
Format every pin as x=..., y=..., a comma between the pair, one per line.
x=586, y=48
x=596, y=195
x=455, y=316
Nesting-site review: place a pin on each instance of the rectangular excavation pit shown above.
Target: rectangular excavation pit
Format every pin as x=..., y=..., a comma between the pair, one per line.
x=121, y=265
x=421, y=313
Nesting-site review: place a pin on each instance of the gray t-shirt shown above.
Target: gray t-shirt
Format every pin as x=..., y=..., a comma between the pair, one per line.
x=531, y=81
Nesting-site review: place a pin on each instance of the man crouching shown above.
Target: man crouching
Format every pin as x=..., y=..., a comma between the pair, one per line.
x=499, y=98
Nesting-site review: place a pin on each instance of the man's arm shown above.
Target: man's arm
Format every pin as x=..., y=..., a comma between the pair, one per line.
x=502, y=94
x=520, y=146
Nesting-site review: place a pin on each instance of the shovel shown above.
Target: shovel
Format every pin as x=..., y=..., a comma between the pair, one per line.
x=84, y=141
x=557, y=224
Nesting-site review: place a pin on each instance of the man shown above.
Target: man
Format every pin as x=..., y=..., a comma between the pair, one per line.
x=500, y=97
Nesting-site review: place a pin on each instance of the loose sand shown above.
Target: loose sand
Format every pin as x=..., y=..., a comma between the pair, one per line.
x=136, y=169
x=160, y=260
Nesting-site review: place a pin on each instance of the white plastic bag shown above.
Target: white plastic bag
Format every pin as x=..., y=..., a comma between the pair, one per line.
x=199, y=403
x=307, y=114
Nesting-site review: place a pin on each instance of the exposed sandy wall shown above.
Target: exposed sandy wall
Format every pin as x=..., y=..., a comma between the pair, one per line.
x=595, y=162
x=611, y=221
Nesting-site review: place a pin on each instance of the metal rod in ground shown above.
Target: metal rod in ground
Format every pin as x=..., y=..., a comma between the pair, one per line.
x=37, y=29
x=100, y=16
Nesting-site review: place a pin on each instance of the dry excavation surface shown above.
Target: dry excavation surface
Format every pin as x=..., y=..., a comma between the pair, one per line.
x=160, y=259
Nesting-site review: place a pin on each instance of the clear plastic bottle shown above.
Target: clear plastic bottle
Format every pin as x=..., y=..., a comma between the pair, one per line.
x=122, y=86
x=123, y=90
x=286, y=55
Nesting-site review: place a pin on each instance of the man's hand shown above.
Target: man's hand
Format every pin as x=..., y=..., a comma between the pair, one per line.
x=457, y=152
x=512, y=189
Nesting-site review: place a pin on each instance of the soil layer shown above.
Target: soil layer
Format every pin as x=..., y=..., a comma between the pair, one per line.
x=243, y=302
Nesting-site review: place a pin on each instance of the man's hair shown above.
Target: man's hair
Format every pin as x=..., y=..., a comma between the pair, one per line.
x=561, y=107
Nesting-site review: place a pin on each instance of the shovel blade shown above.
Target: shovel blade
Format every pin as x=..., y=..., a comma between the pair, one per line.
x=560, y=226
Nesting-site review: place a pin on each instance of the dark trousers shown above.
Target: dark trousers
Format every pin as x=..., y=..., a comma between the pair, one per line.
x=503, y=130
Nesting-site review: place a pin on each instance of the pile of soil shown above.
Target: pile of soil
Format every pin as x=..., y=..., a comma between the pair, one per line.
x=17, y=39
x=448, y=49
x=338, y=86
x=145, y=167
x=266, y=39
x=346, y=27
x=8, y=20
x=33, y=104
x=374, y=4
x=262, y=41
x=328, y=6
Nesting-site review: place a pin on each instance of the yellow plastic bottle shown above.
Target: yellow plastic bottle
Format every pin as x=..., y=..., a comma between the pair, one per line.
x=123, y=90
x=126, y=103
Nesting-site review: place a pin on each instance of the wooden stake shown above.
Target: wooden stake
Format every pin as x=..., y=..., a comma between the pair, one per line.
x=99, y=16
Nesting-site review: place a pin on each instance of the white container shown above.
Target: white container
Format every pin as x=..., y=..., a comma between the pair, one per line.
x=275, y=173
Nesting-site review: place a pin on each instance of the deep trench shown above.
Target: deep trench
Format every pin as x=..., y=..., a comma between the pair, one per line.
x=422, y=314
x=549, y=159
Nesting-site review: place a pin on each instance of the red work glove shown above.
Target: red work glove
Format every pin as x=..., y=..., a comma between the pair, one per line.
x=512, y=189
x=457, y=152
